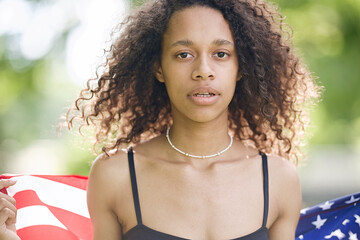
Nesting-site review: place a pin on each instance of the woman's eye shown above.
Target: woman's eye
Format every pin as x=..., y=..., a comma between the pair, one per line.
x=222, y=54
x=183, y=55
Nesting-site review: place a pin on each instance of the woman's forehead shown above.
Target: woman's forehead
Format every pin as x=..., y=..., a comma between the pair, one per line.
x=198, y=23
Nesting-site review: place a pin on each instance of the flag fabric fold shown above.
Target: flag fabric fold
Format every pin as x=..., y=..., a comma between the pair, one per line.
x=334, y=219
x=54, y=207
x=51, y=207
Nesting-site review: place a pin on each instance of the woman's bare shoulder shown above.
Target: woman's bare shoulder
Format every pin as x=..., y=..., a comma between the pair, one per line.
x=108, y=188
x=281, y=167
x=109, y=172
x=111, y=159
x=282, y=173
x=284, y=184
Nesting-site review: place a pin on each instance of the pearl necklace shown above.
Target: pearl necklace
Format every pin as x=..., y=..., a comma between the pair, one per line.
x=197, y=156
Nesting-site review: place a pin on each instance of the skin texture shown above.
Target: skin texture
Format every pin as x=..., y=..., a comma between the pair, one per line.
x=7, y=213
x=216, y=198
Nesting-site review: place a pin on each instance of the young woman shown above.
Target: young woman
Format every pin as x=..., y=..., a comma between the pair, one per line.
x=210, y=98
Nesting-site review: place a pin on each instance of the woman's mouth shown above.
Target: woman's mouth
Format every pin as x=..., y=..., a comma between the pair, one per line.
x=204, y=96
x=207, y=94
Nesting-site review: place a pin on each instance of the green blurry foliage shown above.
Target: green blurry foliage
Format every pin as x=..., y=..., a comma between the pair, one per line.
x=326, y=34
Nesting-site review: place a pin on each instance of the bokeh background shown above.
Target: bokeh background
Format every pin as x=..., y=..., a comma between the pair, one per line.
x=49, y=48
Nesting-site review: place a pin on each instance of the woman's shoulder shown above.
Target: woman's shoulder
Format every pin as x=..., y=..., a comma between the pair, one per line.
x=109, y=189
x=110, y=171
x=284, y=184
x=110, y=165
x=282, y=172
x=115, y=163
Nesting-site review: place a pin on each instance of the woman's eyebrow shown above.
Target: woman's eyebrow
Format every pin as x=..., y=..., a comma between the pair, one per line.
x=182, y=43
x=220, y=42
x=186, y=43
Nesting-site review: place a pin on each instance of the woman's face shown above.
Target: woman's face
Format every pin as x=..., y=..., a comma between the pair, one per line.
x=199, y=64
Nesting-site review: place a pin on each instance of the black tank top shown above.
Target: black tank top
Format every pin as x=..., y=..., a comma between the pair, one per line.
x=142, y=232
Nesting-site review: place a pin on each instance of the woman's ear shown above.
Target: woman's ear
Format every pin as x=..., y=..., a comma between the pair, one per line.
x=239, y=76
x=158, y=72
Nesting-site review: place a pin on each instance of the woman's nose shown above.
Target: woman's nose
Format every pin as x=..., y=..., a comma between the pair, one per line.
x=203, y=69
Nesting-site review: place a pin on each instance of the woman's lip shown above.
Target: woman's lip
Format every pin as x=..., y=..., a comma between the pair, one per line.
x=204, y=90
x=204, y=96
x=204, y=100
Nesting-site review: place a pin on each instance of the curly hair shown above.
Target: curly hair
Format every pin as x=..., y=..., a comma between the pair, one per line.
x=269, y=109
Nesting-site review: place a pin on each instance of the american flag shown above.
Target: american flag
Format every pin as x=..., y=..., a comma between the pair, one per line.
x=54, y=207
x=335, y=219
x=51, y=207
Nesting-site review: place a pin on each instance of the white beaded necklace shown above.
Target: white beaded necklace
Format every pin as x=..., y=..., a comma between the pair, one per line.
x=197, y=156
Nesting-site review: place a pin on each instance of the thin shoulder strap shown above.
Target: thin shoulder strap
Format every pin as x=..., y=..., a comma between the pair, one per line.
x=134, y=185
x=266, y=187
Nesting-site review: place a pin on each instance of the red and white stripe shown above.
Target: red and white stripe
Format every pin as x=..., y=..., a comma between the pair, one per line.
x=51, y=207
